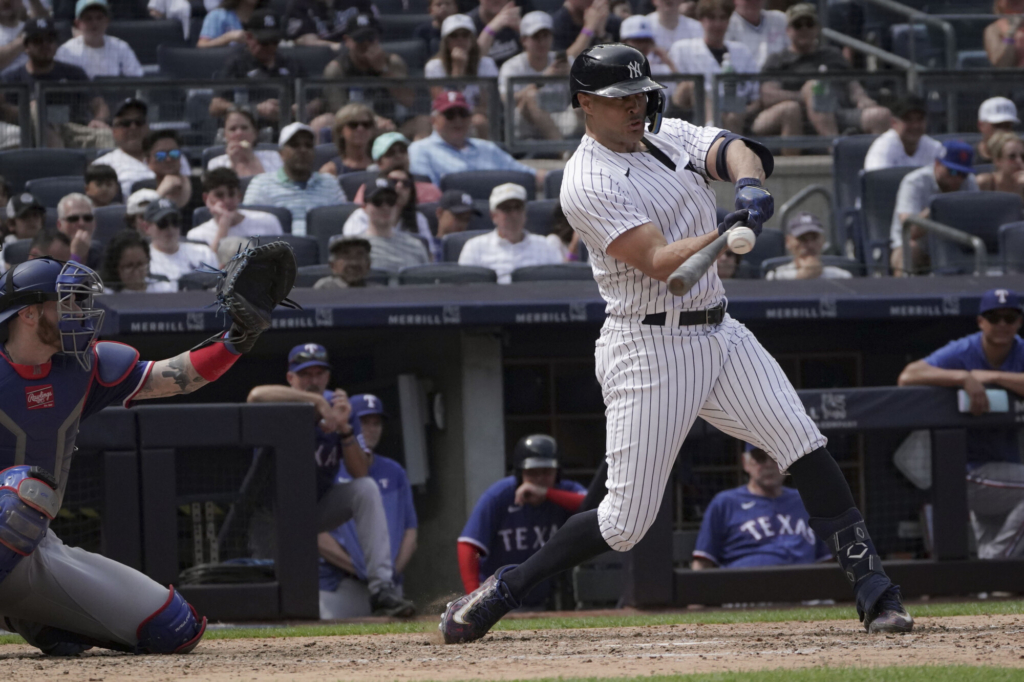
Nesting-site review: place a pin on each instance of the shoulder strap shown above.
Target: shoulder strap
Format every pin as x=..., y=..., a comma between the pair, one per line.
x=658, y=154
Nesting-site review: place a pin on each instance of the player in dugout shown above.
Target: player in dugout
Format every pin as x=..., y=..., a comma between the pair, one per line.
x=517, y=515
x=761, y=523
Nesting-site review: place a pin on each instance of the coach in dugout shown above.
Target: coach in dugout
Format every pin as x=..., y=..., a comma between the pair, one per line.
x=992, y=357
x=761, y=523
x=517, y=515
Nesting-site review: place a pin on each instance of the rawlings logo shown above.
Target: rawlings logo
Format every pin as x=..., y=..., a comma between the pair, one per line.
x=39, y=397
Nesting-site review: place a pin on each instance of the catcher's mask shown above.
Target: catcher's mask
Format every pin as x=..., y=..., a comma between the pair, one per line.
x=72, y=285
x=617, y=70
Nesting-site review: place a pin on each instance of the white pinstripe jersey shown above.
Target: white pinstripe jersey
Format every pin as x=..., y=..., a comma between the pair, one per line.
x=605, y=194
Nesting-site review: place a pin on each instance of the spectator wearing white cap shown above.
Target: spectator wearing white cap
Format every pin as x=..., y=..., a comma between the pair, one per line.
x=669, y=26
x=762, y=31
x=498, y=29
x=392, y=248
x=1004, y=37
x=460, y=57
x=542, y=113
x=295, y=186
x=710, y=56
x=136, y=207
x=637, y=32
x=805, y=240
x=509, y=246
x=93, y=50
x=995, y=113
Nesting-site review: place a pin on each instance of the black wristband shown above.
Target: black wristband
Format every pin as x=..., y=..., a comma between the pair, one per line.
x=747, y=182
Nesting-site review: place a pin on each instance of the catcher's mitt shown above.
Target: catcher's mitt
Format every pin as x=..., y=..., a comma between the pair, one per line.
x=253, y=283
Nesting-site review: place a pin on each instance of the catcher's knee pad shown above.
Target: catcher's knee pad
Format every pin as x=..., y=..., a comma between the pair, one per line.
x=175, y=628
x=848, y=538
x=28, y=502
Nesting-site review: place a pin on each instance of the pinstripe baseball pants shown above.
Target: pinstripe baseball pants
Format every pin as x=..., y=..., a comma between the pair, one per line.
x=657, y=380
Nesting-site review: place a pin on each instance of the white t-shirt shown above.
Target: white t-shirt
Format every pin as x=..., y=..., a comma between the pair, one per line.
x=270, y=158
x=693, y=56
x=9, y=34
x=667, y=37
x=916, y=191
x=491, y=251
x=256, y=224
x=788, y=271
x=887, y=152
x=762, y=40
x=359, y=223
x=187, y=259
x=180, y=10
x=130, y=170
x=485, y=69
x=115, y=58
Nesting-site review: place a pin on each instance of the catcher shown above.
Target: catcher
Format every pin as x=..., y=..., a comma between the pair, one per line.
x=54, y=373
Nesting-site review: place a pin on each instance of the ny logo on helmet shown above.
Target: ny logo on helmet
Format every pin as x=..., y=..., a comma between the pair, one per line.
x=635, y=70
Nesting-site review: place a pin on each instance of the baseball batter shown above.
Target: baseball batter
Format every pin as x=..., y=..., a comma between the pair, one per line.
x=54, y=374
x=641, y=201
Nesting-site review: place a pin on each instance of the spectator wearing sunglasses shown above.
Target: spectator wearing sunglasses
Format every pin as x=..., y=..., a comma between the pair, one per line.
x=169, y=256
x=408, y=218
x=163, y=155
x=75, y=219
x=1007, y=151
x=391, y=248
x=354, y=129
x=131, y=128
x=391, y=152
x=951, y=172
x=992, y=357
x=450, y=149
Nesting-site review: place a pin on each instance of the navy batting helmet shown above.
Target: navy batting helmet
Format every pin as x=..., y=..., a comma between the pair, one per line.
x=617, y=70
x=71, y=285
x=538, y=451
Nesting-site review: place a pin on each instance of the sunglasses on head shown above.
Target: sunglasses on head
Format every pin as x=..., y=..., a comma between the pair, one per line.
x=168, y=222
x=173, y=154
x=388, y=201
x=84, y=217
x=130, y=122
x=1007, y=316
x=804, y=23
x=352, y=125
x=453, y=114
x=306, y=356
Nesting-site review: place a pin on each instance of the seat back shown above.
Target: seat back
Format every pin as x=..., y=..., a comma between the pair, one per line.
x=308, y=275
x=324, y=222
x=446, y=273
x=553, y=183
x=1011, y=245
x=412, y=52
x=306, y=249
x=191, y=62
x=17, y=252
x=480, y=183
x=109, y=221
x=451, y=244
x=145, y=36
x=322, y=153
x=540, y=216
x=400, y=26
x=211, y=153
x=312, y=59
x=977, y=213
x=855, y=268
x=18, y=166
x=848, y=154
x=553, y=272
x=770, y=244
x=49, y=191
x=351, y=182
x=878, y=191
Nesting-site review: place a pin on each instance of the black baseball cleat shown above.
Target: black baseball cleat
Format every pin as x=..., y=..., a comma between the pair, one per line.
x=469, y=618
x=889, y=614
x=388, y=603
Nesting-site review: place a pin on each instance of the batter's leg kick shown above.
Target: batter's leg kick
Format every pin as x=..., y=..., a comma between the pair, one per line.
x=656, y=381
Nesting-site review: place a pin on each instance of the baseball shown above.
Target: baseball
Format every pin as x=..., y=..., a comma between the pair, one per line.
x=741, y=239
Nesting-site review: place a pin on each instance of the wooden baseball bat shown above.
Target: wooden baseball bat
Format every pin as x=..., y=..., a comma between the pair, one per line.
x=694, y=267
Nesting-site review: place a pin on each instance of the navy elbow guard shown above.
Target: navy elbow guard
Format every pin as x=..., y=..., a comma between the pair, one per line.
x=767, y=160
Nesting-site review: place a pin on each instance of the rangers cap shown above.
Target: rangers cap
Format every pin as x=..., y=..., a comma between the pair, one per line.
x=364, y=404
x=307, y=355
x=998, y=299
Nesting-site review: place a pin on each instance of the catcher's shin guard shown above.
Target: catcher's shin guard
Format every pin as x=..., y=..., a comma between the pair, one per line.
x=174, y=628
x=847, y=537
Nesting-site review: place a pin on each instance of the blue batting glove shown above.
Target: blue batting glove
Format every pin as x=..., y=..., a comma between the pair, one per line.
x=733, y=219
x=759, y=201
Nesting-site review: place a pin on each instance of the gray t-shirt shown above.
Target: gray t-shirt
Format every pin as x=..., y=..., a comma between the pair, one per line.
x=398, y=251
x=915, y=194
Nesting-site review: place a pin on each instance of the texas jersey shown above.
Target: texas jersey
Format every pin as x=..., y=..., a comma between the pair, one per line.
x=328, y=455
x=605, y=194
x=41, y=406
x=507, y=533
x=741, y=529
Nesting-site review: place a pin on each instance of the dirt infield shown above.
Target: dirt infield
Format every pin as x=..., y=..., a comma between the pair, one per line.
x=601, y=652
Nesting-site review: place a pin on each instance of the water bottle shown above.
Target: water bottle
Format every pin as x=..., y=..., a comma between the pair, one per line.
x=732, y=103
x=822, y=99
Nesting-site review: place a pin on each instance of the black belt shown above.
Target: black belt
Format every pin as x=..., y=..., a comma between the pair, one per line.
x=687, y=317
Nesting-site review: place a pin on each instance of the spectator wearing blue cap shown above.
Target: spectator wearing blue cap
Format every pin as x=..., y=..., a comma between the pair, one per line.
x=343, y=579
x=93, y=50
x=952, y=171
x=356, y=497
x=761, y=523
x=994, y=357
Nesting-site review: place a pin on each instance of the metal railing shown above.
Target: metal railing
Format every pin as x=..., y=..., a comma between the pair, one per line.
x=963, y=92
x=946, y=232
x=802, y=196
x=916, y=16
x=15, y=117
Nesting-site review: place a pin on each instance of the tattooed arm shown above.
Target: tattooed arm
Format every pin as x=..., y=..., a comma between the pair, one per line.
x=173, y=376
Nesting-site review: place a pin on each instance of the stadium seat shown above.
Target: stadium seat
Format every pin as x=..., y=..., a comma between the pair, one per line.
x=548, y=273
x=146, y=35
x=413, y=52
x=306, y=249
x=18, y=166
x=326, y=221
x=1011, y=245
x=400, y=26
x=197, y=281
x=351, y=182
x=482, y=221
x=553, y=183
x=770, y=244
x=210, y=153
x=402, y=6
x=848, y=155
x=855, y=268
x=451, y=244
x=312, y=59
x=972, y=59
x=323, y=153
x=308, y=275
x=17, y=252
x=192, y=63
x=977, y=213
x=480, y=183
x=446, y=273
x=49, y=191
x=202, y=214
x=109, y=221
x=429, y=211
x=878, y=201
x=540, y=216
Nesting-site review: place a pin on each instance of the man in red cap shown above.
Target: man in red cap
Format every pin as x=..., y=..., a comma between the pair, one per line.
x=450, y=149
